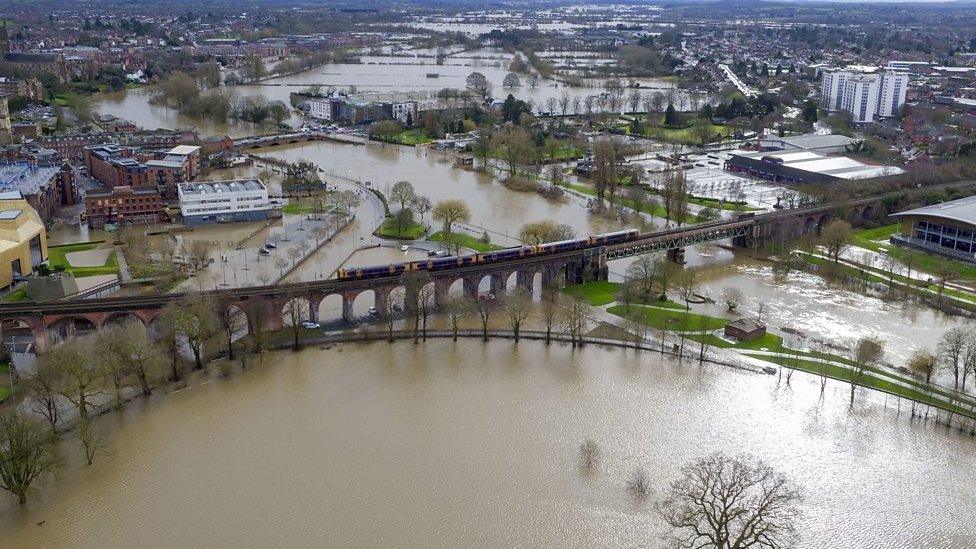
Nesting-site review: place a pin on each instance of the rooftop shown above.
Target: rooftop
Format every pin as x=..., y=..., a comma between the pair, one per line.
x=836, y=166
x=215, y=187
x=26, y=178
x=962, y=210
x=183, y=150
x=811, y=141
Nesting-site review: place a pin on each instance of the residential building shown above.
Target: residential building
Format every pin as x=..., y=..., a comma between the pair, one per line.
x=894, y=88
x=116, y=165
x=947, y=229
x=867, y=96
x=123, y=205
x=23, y=241
x=223, y=201
x=324, y=108
x=32, y=63
x=860, y=97
x=46, y=188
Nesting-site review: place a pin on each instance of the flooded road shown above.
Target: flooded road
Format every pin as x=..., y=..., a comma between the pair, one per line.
x=476, y=445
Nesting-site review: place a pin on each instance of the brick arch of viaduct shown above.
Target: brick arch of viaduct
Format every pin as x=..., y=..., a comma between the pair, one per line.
x=273, y=305
x=572, y=268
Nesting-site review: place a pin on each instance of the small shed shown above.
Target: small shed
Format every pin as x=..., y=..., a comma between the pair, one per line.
x=744, y=329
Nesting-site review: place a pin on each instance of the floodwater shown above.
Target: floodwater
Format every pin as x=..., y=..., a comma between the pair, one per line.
x=476, y=445
x=386, y=74
x=815, y=311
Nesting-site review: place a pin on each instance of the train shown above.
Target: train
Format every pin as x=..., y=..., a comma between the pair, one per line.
x=505, y=254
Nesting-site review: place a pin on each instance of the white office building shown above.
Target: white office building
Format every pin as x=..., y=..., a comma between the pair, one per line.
x=867, y=96
x=204, y=202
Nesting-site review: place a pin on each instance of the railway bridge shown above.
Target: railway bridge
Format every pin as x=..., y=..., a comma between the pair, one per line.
x=50, y=322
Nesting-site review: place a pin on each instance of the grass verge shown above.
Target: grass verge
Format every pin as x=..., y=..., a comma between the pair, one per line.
x=463, y=240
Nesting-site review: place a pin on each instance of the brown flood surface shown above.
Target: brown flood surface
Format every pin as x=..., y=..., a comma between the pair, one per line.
x=471, y=444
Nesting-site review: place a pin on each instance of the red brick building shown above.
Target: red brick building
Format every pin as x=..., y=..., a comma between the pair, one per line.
x=123, y=205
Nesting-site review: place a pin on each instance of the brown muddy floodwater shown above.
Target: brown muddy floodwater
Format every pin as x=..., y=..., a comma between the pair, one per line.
x=476, y=445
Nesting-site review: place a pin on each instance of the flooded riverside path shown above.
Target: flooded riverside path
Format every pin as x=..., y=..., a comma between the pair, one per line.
x=476, y=445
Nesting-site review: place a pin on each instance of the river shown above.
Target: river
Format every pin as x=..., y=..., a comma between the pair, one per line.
x=476, y=445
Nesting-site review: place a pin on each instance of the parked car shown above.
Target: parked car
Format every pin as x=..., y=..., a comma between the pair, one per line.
x=310, y=325
x=270, y=246
x=264, y=251
x=404, y=248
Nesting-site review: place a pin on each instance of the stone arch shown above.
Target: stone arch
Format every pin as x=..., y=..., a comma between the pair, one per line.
x=121, y=318
x=329, y=308
x=67, y=327
x=363, y=301
x=869, y=213
x=824, y=219
x=810, y=225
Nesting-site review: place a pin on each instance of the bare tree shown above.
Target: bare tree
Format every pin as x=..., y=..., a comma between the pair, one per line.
x=969, y=359
x=836, y=238
x=485, y=306
x=231, y=320
x=575, y=322
x=564, y=102
x=295, y=311
x=456, y=308
x=589, y=455
x=422, y=205
x=731, y=502
x=951, y=349
x=45, y=398
x=687, y=284
x=674, y=194
x=517, y=304
x=643, y=274
x=27, y=451
x=198, y=253
x=79, y=373
x=732, y=296
x=91, y=440
x=634, y=100
x=867, y=354
x=550, y=315
x=390, y=310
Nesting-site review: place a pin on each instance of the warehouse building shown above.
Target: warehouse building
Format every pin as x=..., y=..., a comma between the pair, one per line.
x=947, y=229
x=805, y=167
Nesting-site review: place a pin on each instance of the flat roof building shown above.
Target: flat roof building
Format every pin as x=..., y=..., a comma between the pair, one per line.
x=805, y=167
x=824, y=144
x=224, y=201
x=947, y=229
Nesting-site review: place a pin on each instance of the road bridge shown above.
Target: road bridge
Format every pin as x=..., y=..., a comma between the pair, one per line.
x=52, y=321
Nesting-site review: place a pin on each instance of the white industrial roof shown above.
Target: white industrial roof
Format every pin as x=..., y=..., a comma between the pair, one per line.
x=836, y=166
x=183, y=150
x=962, y=210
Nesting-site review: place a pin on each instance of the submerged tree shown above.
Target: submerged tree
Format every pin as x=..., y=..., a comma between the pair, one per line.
x=26, y=452
x=731, y=502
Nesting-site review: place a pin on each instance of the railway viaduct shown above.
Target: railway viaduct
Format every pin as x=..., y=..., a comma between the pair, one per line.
x=53, y=321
